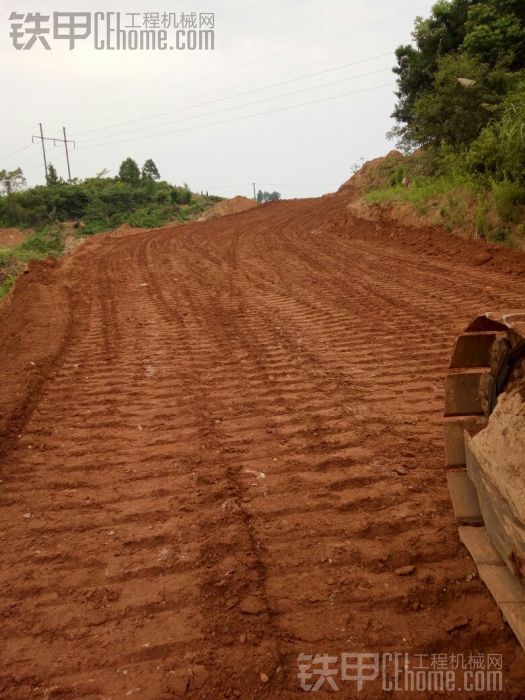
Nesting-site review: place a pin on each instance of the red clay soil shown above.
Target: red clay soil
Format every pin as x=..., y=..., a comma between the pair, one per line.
x=10, y=237
x=234, y=205
x=222, y=448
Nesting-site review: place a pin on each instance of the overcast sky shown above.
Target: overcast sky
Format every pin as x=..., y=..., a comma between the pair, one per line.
x=269, y=60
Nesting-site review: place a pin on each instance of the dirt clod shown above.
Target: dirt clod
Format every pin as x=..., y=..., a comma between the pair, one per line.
x=481, y=259
x=405, y=570
x=252, y=605
x=177, y=682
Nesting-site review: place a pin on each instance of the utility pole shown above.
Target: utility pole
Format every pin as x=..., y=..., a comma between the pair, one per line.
x=67, y=155
x=43, y=149
x=65, y=141
x=254, y=195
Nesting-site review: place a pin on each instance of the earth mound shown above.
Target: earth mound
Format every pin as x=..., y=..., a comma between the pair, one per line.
x=235, y=205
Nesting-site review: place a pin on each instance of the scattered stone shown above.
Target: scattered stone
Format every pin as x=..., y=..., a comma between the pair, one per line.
x=27, y=516
x=400, y=470
x=242, y=637
x=252, y=605
x=481, y=258
x=264, y=677
x=458, y=624
x=405, y=570
x=164, y=554
x=200, y=675
x=177, y=682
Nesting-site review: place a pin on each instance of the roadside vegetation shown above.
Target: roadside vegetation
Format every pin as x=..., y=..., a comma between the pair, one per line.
x=59, y=211
x=265, y=196
x=460, y=120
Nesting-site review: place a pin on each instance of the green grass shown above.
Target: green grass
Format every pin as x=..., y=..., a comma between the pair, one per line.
x=421, y=191
x=37, y=246
x=495, y=210
x=6, y=285
x=49, y=240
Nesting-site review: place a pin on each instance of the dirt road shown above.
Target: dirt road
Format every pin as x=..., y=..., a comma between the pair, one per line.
x=221, y=441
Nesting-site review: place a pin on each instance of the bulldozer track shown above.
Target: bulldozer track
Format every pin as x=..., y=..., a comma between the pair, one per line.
x=232, y=449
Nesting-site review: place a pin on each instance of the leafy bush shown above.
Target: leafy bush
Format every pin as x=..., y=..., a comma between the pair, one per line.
x=482, y=42
x=101, y=203
x=500, y=147
x=48, y=241
x=508, y=196
x=181, y=195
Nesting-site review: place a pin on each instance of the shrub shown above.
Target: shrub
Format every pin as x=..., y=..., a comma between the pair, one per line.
x=500, y=147
x=508, y=197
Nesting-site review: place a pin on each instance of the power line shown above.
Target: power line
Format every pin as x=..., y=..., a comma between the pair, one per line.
x=14, y=153
x=318, y=184
x=27, y=160
x=245, y=104
x=239, y=94
x=266, y=59
x=269, y=184
x=246, y=116
x=225, y=187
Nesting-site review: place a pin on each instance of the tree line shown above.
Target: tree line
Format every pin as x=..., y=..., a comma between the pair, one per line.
x=461, y=87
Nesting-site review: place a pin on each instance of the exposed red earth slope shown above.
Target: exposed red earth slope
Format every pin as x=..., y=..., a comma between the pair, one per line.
x=221, y=440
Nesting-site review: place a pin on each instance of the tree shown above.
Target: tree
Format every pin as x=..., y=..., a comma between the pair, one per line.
x=52, y=176
x=453, y=112
x=150, y=171
x=495, y=33
x=481, y=40
x=129, y=171
x=435, y=37
x=267, y=196
x=11, y=181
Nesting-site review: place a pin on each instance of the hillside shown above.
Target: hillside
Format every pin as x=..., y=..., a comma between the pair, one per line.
x=460, y=115
x=403, y=189
x=51, y=220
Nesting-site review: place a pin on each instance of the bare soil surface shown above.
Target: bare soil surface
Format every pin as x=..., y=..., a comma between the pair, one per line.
x=221, y=448
x=11, y=236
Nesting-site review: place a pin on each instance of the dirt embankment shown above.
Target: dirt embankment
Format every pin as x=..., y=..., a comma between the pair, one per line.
x=405, y=225
x=432, y=241
x=34, y=319
x=401, y=190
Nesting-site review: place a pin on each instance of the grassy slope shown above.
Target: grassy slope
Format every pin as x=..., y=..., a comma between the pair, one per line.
x=50, y=240
x=469, y=205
